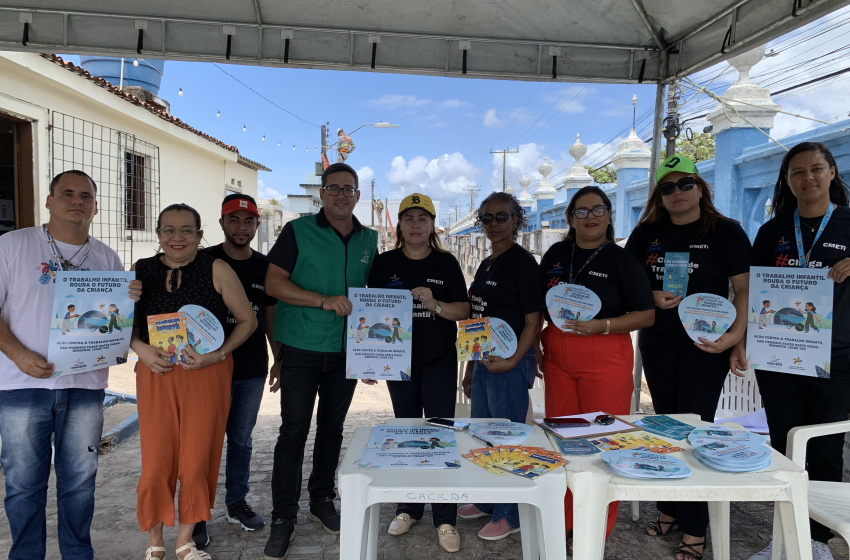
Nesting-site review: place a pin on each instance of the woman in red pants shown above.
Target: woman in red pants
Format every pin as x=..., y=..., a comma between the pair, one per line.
x=590, y=368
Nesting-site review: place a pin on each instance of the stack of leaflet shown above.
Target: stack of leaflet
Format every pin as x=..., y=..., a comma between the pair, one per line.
x=495, y=432
x=729, y=449
x=631, y=463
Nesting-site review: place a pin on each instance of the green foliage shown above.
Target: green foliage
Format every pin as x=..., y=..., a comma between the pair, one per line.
x=701, y=148
x=603, y=175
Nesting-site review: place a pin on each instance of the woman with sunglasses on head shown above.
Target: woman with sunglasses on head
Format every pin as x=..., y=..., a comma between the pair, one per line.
x=183, y=407
x=810, y=228
x=685, y=376
x=589, y=368
x=507, y=286
x=434, y=277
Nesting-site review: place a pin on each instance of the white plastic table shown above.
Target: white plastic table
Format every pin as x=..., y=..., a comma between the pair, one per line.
x=594, y=486
x=541, y=501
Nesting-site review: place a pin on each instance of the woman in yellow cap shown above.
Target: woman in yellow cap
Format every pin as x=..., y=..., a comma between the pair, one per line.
x=433, y=276
x=684, y=376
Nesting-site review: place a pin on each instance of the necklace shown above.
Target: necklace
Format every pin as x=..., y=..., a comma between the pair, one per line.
x=492, y=258
x=814, y=226
x=65, y=264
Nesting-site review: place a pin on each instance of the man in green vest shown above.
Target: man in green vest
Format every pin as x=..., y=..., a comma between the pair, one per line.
x=311, y=266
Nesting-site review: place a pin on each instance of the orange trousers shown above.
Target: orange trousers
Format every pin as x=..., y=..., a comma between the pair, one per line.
x=584, y=374
x=182, y=417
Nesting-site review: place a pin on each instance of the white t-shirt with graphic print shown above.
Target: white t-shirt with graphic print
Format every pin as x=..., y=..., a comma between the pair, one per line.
x=27, y=276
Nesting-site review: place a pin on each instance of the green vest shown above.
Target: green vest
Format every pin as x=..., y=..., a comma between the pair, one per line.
x=327, y=266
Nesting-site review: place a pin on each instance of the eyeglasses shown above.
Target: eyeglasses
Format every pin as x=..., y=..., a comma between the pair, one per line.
x=684, y=184
x=500, y=218
x=169, y=231
x=598, y=211
x=333, y=191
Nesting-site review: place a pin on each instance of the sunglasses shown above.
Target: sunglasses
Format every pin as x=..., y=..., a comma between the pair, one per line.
x=500, y=218
x=684, y=184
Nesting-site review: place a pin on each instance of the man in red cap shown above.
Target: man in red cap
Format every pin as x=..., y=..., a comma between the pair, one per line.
x=239, y=222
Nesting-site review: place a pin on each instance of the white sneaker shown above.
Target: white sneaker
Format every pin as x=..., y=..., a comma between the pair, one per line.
x=820, y=551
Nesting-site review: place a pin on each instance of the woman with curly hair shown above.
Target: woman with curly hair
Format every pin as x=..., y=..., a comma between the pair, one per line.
x=507, y=286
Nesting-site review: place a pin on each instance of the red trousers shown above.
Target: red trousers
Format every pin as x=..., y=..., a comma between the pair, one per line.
x=586, y=374
x=182, y=416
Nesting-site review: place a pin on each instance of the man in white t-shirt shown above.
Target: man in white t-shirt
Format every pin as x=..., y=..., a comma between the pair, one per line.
x=34, y=405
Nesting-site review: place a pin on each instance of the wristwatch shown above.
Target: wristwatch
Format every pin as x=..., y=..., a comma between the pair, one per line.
x=438, y=308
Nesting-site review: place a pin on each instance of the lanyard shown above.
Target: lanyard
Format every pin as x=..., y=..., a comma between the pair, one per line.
x=805, y=257
x=587, y=262
x=57, y=254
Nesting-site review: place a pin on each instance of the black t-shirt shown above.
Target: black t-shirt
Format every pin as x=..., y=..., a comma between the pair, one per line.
x=433, y=337
x=510, y=290
x=715, y=258
x=614, y=275
x=251, y=359
x=776, y=245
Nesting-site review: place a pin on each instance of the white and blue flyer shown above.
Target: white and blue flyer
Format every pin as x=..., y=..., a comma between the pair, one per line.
x=410, y=447
x=676, y=270
x=789, y=327
x=571, y=302
x=92, y=321
x=706, y=316
x=379, y=342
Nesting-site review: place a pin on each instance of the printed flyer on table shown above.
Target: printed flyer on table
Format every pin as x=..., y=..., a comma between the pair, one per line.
x=379, y=335
x=92, y=321
x=410, y=447
x=789, y=328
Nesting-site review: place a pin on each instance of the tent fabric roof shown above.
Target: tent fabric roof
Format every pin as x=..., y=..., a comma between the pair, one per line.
x=615, y=41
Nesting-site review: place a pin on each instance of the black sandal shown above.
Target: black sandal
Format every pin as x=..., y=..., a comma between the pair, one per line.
x=657, y=527
x=689, y=550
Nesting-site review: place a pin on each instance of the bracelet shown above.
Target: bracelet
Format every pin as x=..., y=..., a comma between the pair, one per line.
x=607, y=326
x=322, y=305
x=223, y=355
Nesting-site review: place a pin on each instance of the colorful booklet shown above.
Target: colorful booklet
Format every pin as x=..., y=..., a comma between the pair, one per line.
x=168, y=332
x=664, y=426
x=676, y=273
x=478, y=339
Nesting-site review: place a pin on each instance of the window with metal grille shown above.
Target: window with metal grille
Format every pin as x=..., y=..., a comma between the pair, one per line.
x=134, y=192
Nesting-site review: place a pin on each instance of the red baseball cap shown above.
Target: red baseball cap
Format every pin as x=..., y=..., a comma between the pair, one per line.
x=237, y=204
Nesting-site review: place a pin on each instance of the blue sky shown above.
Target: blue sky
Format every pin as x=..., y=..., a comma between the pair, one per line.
x=449, y=125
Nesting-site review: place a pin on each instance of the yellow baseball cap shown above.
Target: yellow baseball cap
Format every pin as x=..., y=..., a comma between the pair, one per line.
x=417, y=200
x=675, y=163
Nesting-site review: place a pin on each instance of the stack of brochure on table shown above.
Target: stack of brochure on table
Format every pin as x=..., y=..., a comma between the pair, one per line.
x=729, y=449
x=645, y=464
x=495, y=432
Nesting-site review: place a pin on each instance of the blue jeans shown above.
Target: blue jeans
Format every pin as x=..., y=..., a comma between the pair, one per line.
x=503, y=395
x=28, y=419
x=245, y=397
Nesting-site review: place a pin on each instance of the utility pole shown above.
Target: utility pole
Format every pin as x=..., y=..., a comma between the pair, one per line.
x=671, y=122
x=472, y=190
x=504, y=153
x=322, y=143
x=373, y=202
x=405, y=189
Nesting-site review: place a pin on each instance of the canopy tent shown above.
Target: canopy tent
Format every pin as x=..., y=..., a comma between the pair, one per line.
x=614, y=41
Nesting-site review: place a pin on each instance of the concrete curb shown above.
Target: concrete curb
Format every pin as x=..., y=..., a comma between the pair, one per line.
x=129, y=426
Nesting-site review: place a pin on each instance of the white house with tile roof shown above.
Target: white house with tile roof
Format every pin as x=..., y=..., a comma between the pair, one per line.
x=55, y=116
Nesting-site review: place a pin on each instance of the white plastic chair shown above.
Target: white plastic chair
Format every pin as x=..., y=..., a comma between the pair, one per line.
x=829, y=502
x=740, y=396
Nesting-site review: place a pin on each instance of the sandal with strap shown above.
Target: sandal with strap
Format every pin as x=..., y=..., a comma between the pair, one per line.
x=149, y=552
x=657, y=526
x=194, y=553
x=689, y=550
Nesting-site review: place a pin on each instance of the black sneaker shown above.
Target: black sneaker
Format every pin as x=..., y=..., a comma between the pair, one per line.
x=241, y=512
x=282, y=533
x=200, y=536
x=325, y=513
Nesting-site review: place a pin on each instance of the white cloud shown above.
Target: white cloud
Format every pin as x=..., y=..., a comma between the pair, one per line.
x=399, y=102
x=365, y=175
x=443, y=178
x=490, y=119
x=268, y=192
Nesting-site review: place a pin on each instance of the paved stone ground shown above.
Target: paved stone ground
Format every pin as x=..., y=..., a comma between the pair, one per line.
x=116, y=534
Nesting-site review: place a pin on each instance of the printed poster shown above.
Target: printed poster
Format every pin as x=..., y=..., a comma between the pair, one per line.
x=410, y=447
x=478, y=339
x=789, y=327
x=379, y=343
x=92, y=321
